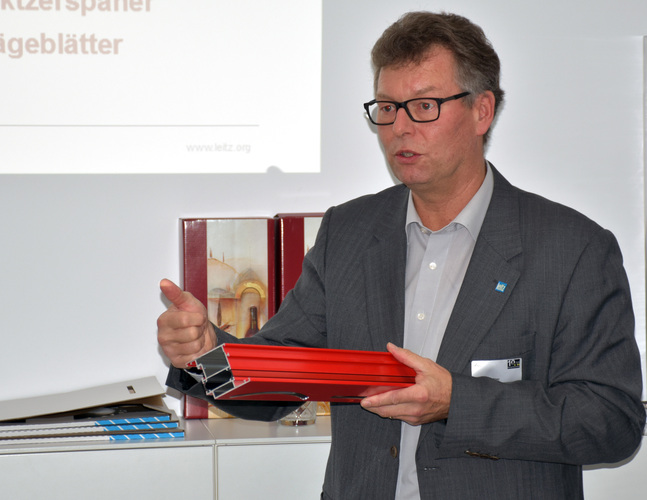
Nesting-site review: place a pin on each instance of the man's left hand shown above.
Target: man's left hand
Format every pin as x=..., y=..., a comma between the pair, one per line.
x=425, y=401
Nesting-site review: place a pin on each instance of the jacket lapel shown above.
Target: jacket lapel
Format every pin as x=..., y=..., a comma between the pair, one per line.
x=384, y=271
x=489, y=281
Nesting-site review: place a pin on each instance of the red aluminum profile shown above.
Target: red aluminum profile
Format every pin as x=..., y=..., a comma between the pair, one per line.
x=282, y=373
x=302, y=359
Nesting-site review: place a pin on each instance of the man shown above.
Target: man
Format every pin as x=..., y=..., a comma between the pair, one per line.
x=514, y=311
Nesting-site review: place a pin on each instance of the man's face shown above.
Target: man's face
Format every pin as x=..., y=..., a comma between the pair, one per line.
x=436, y=157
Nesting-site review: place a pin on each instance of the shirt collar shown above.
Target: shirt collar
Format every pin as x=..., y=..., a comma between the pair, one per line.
x=472, y=215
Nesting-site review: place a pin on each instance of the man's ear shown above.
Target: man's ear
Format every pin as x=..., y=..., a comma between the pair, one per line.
x=484, y=111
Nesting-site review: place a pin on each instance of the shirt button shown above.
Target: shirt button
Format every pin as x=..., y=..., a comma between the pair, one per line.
x=421, y=316
x=432, y=265
x=394, y=451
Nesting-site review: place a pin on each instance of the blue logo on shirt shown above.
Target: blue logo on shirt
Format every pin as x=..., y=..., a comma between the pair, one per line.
x=501, y=286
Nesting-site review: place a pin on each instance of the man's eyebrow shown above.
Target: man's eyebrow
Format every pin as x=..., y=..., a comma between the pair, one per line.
x=425, y=92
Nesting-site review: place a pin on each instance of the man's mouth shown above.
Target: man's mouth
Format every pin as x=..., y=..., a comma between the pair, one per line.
x=406, y=154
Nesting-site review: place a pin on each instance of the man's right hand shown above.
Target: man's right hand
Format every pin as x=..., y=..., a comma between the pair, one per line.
x=183, y=331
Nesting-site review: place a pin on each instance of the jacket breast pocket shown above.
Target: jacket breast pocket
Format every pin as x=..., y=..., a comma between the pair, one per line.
x=507, y=358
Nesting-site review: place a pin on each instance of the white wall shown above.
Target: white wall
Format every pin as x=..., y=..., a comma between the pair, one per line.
x=82, y=255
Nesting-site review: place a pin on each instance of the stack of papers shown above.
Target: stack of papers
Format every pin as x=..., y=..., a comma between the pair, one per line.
x=132, y=410
x=278, y=373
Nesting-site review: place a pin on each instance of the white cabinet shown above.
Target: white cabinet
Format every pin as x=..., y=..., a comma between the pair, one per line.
x=220, y=459
x=106, y=474
x=73, y=470
x=224, y=459
x=271, y=471
x=270, y=461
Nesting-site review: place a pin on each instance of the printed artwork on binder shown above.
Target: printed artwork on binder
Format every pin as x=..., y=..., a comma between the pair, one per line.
x=238, y=285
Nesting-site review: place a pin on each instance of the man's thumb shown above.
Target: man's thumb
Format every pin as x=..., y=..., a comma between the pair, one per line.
x=179, y=298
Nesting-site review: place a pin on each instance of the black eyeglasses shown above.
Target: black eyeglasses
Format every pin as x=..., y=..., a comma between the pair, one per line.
x=420, y=110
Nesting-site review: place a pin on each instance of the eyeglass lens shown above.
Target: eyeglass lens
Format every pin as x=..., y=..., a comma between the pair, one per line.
x=384, y=112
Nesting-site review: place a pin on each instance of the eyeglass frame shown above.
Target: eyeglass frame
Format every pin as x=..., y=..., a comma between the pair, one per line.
x=404, y=105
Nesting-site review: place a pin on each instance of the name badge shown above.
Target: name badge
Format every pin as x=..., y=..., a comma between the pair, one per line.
x=503, y=370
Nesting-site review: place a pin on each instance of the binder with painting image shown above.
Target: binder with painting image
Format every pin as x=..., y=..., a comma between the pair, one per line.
x=229, y=265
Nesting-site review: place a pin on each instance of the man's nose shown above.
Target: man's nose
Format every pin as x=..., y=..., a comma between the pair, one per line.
x=403, y=122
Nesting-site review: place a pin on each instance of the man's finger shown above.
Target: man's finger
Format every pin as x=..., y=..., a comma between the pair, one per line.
x=180, y=299
x=406, y=357
x=379, y=400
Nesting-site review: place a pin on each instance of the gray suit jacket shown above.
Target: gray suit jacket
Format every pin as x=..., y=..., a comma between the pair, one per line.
x=566, y=311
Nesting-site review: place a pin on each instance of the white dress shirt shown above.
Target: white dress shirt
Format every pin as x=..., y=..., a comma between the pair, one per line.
x=436, y=264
